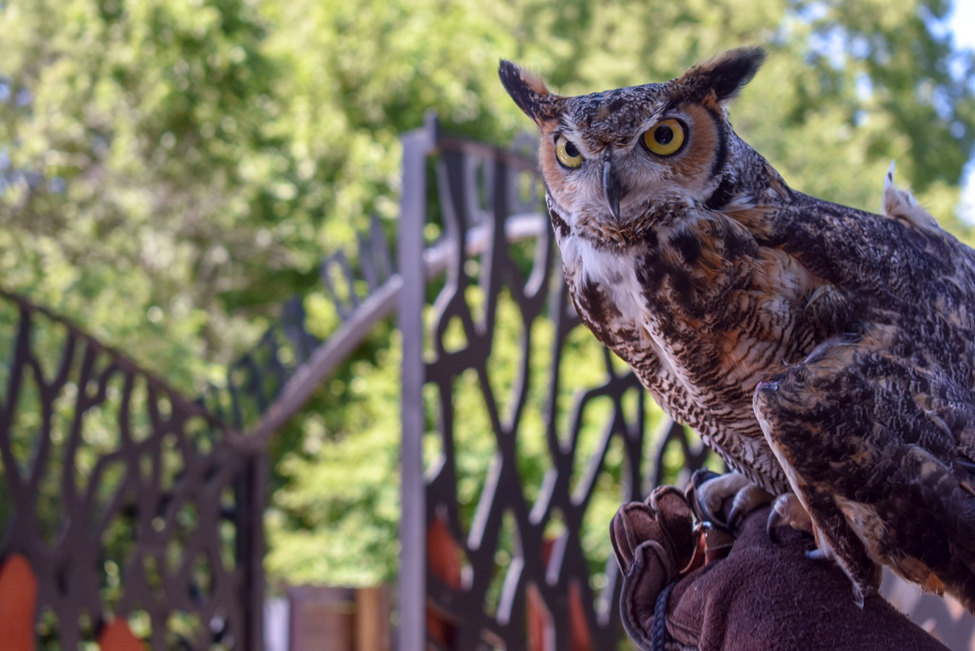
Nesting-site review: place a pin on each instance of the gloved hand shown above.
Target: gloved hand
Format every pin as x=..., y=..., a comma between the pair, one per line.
x=687, y=588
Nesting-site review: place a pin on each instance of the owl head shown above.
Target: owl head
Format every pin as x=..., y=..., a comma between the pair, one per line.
x=610, y=155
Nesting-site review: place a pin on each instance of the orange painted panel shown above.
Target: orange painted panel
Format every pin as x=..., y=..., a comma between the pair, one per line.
x=18, y=604
x=445, y=561
x=116, y=636
x=443, y=554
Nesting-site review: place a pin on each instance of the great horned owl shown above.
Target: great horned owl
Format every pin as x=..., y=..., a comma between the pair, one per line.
x=817, y=348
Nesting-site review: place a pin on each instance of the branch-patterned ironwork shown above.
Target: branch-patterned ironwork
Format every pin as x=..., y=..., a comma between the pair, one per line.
x=131, y=503
x=127, y=500
x=506, y=570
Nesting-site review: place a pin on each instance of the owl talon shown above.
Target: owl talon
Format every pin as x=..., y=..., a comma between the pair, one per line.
x=861, y=592
x=724, y=500
x=710, y=492
x=695, y=495
x=748, y=499
x=772, y=525
x=702, y=476
x=787, y=510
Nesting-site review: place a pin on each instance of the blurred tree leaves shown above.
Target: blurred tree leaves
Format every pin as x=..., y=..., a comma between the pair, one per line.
x=171, y=170
x=148, y=177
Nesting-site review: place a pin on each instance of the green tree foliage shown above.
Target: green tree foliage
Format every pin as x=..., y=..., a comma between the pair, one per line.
x=173, y=169
x=151, y=193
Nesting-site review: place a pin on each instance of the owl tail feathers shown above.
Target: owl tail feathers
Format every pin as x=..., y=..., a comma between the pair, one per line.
x=956, y=569
x=959, y=579
x=901, y=205
x=964, y=594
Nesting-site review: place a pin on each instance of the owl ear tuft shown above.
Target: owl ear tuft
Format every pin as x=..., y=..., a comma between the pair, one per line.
x=528, y=91
x=726, y=74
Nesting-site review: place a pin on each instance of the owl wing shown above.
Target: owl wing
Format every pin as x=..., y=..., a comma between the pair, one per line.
x=879, y=452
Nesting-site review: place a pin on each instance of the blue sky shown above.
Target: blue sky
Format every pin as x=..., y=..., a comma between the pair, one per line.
x=963, y=23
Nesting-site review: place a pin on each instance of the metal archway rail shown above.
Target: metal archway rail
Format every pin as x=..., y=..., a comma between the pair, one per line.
x=380, y=304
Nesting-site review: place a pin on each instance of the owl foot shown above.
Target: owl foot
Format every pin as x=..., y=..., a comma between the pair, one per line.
x=862, y=590
x=787, y=510
x=724, y=500
x=864, y=577
x=864, y=581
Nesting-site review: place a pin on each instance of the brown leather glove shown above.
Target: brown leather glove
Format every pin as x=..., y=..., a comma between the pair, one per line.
x=678, y=594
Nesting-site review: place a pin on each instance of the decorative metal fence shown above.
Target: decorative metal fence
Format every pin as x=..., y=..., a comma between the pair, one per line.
x=137, y=512
x=521, y=435
x=132, y=506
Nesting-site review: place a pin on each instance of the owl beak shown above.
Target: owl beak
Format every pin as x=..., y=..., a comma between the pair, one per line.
x=612, y=189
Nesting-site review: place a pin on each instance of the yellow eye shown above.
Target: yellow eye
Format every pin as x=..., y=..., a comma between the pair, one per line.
x=665, y=139
x=567, y=153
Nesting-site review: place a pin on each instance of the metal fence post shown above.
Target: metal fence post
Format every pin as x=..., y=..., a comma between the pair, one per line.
x=250, y=549
x=412, y=585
